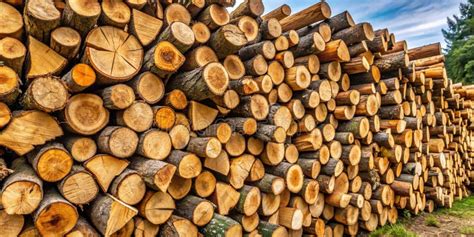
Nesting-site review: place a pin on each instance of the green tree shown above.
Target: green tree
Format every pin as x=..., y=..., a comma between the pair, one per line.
x=459, y=37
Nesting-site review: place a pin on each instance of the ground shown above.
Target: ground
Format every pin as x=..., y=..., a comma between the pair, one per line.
x=457, y=221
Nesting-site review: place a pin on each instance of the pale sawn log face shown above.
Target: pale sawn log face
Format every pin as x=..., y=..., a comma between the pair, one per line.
x=191, y=117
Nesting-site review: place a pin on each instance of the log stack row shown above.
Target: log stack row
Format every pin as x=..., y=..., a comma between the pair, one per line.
x=185, y=118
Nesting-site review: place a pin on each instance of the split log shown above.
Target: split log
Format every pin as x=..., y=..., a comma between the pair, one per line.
x=156, y=174
x=225, y=198
x=42, y=60
x=178, y=226
x=201, y=116
x=109, y=214
x=105, y=168
x=145, y=27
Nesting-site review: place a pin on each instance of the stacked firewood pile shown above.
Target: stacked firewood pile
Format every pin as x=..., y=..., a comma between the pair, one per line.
x=185, y=118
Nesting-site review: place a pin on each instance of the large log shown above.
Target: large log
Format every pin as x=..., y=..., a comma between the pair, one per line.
x=315, y=13
x=103, y=43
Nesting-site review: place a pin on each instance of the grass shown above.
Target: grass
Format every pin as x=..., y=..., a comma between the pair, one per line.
x=397, y=230
x=467, y=230
x=431, y=220
x=463, y=208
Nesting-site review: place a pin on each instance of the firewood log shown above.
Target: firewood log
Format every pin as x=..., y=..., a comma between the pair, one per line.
x=105, y=168
x=80, y=77
x=42, y=60
x=178, y=226
x=205, y=184
x=41, y=17
x=22, y=191
x=225, y=198
x=13, y=53
x=116, y=14
x=54, y=205
x=131, y=49
x=11, y=88
x=312, y=43
x=278, y=13
x=51, y=162
x=223, y=225
x=179, y=34
x=202, y=83
x=312, y=14
x=175, y=12
x=253, y=8
x=145, y=27
x=118, y=214
x=79, y=186
x=118, y=141
x=128, y=187
x=65, y=41
x=335, y=50
x=82, y=16
x=145, y=228
x=227, y=40
x=14, y=26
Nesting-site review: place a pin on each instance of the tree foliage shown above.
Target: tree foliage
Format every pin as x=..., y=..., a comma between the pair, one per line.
x=459, y=37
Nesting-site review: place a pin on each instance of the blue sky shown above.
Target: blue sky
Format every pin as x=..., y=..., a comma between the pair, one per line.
x=417, y=21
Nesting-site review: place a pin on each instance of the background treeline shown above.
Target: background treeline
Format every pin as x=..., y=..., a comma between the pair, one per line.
x=460, y=44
